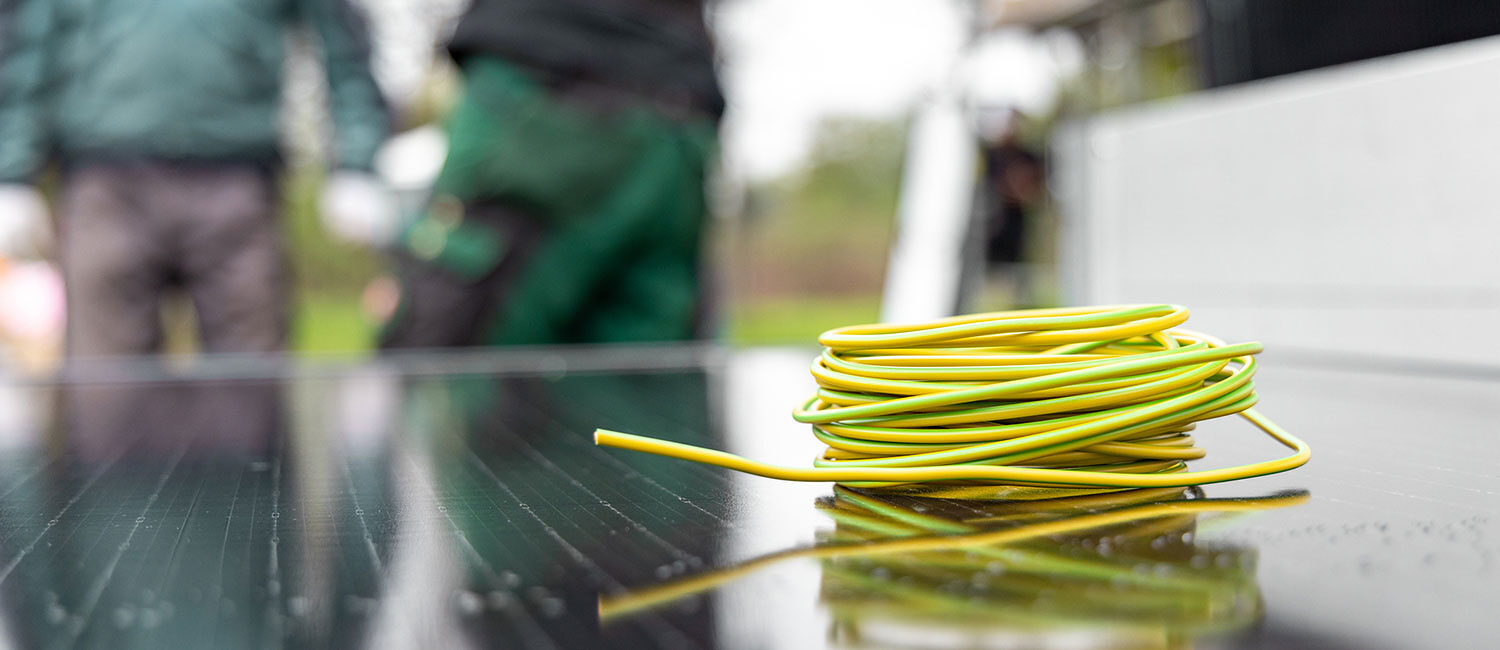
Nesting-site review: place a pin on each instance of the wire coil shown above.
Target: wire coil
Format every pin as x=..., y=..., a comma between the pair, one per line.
x=1089, y=397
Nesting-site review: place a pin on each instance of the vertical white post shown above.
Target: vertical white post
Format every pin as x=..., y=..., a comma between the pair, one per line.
x=933, y=216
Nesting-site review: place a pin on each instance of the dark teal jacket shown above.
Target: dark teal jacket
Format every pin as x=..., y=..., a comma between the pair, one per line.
x=183, y=79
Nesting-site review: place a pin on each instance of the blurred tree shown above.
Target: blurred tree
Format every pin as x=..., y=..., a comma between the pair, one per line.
x=812, y=254
x=854, y=167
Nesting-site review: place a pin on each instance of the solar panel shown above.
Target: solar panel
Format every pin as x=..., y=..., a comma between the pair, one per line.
x=460, y=502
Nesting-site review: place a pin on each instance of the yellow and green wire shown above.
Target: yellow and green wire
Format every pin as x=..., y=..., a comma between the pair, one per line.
x=1086, y=397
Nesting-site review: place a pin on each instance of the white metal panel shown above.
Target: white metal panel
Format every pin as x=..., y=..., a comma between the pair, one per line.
x=1350, y=210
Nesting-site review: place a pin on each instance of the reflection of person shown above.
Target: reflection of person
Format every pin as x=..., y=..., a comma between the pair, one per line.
x=515, y=439
x=163, y=115
x=238, y=420
x=571, y=202
x=161, y=491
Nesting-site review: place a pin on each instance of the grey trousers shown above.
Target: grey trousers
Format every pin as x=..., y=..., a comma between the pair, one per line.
x=131, y=231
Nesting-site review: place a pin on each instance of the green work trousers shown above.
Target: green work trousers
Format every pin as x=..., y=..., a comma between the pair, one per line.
x=562, y=215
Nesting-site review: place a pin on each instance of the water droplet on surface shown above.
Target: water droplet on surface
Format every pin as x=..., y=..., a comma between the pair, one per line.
x=500, y=601
x=360, y=605
x=552, y=607
x=469, y=603
x=124, y=616
x=298, y=606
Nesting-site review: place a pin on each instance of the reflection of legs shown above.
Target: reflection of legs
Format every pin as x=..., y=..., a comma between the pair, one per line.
x=221, y=419
x=113, y=266
x=232, y=259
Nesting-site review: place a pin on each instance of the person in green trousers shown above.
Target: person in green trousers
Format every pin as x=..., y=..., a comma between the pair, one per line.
x=571, y=205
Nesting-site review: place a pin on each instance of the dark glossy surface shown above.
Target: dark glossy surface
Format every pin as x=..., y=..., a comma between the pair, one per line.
x=459, y=502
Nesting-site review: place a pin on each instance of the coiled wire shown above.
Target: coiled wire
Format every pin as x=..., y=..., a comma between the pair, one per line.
x=1087, y=397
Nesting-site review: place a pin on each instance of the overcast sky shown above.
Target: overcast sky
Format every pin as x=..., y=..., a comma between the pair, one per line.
x=790, y=63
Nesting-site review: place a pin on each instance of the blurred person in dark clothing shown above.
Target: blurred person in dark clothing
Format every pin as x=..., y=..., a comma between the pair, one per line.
x=571, y=204
x=163, y=117
x=1013, y=182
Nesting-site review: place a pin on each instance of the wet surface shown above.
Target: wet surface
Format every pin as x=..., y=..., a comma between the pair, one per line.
x=459, y=502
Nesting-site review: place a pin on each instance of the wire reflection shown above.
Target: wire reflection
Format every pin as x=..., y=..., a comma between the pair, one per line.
x=1123, y=566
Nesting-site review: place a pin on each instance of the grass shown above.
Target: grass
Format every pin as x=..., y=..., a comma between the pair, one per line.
x=330, y=323
x=780, y=320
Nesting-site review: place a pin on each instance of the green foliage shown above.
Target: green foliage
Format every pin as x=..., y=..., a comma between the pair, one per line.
x=319, y=263
x=331, y=323
x=825, y=229
x=328, y=276
x=797, y=320
x=854, y=167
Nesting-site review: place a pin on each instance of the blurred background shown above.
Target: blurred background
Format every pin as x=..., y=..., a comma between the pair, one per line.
x=224, y=180
x=1033, y=152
